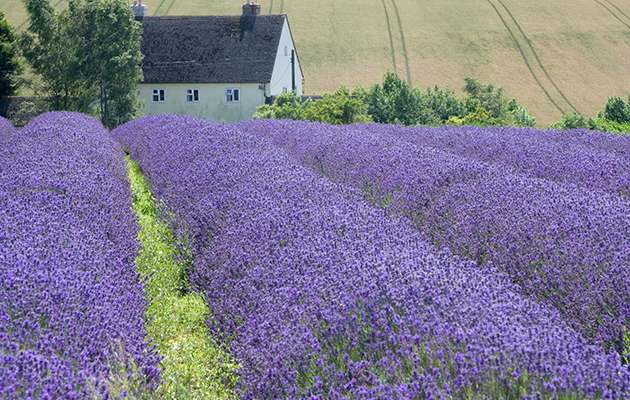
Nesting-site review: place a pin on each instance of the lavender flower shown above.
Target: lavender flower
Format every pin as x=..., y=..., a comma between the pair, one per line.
x=318, y=294
x=69, y=291
x=566, y=245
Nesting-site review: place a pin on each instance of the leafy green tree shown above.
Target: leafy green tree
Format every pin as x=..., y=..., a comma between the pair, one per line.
x=50, y=49
x=394, y=102
x=504, y=112
x=109, y=57
x=439, y=105
x=489, y=97
x=10, y=62
x=287, y=105
x=336, y=108
x=479, y=116
x=88, y=57
x=574, y=121
x=616, y=110
x=517, y=115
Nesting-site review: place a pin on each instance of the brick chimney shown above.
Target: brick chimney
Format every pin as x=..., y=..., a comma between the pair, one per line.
x=251, y=9
x=139, y=10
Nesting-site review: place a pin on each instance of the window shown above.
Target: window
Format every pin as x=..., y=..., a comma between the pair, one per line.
x=158, y=95
x=192, y=95
x=232, y=95
x=286, y=50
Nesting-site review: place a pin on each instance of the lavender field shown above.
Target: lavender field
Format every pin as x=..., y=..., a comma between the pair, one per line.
x=320, y=293
x=72, y=303
x=364, y=261
x=508, y=198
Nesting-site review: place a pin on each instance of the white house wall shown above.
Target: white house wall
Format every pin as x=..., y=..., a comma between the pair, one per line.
x=212, y=104
x=281, y=78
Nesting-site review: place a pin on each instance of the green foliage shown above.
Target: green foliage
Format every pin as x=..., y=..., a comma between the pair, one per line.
x=478, y=117
x=517, y=115
x=109, y=57
x=489, y=97
x=88, y=57
x=286, y=106
x=11, y=64
x=394, y=102
x=616, y=110
x=336, y=108
x=605, y=125
x=574, y=121
x=504, y=112
x=440, y=105
x=615, y=117
x=50, y=50
x=193, y=366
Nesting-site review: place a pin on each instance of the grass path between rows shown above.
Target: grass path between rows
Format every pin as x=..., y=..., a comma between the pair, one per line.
x=193, y=366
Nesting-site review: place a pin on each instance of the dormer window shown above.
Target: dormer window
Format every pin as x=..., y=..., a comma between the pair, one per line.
x=232, y=95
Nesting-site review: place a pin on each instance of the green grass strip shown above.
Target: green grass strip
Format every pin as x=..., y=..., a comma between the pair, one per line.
x=193, y=366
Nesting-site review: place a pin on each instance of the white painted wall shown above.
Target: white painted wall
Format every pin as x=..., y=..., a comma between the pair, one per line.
x=212, y=103
x=281, y=77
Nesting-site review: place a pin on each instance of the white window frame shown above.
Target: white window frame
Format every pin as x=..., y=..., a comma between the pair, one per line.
x=233, y=95
x=192, y=95
x=159, y=94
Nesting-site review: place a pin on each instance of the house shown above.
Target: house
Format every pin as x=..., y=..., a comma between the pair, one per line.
x=216, y=67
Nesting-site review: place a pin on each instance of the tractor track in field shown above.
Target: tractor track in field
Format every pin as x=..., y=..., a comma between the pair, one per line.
x=389, y=31
x=536, y=68
x=402, y=38
x=281, y=7
x=618, y=14
x=168, y=8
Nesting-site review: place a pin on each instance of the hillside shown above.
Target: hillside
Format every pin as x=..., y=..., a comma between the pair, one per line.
x=553, y=56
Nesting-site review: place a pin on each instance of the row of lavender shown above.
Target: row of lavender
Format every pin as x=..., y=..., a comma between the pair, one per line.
x=534, y=229
x=595, y=160
x=319, y=294
x=71, y=299
x=563, y=243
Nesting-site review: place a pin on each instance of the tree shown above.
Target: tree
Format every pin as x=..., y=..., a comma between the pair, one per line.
x=286, y=106
x=10, y=62
x=503, y=111
x=50, y=50
x=394, y=102
x=88, y=57
x=109, y=57
x=489, y=97
x=338, y=108
x=616, y=110
x=574, y=121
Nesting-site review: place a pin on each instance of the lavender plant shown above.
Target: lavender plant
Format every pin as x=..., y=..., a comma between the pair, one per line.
x=595, y=160
x=71, y=298
x=320, y=295
x=564, y=244
x=6, y=129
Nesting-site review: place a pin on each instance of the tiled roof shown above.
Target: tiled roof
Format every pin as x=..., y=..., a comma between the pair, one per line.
x=210, y=49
